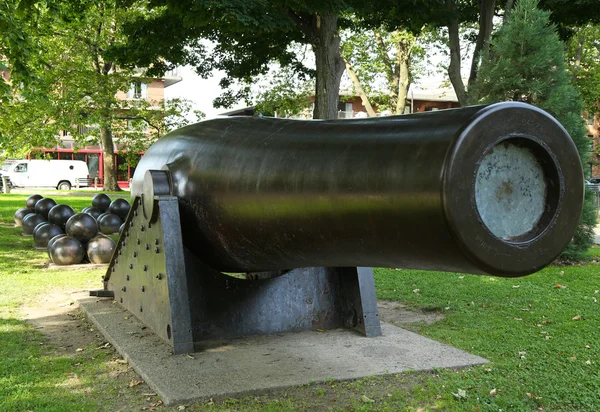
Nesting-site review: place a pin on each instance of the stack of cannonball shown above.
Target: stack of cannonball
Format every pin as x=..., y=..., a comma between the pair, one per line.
x=72, y=238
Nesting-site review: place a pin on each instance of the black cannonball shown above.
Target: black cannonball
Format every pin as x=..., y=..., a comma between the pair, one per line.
x=35, y=229
x=51, y=242
x=45, y=232
x=109, y=223
x=101, y=201
x=31, y=221
x=20, y=214
x=121, y=229
x=100, y=249
x=95, y=212
x=66, y=251
x=43, y=206
x=59, y=215
x=85, y=209
x=82, y=227
x=120, y=207
x=101, y=216
x=32, y=200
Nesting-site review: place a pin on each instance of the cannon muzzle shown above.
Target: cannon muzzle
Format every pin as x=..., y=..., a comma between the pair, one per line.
x=489, y=190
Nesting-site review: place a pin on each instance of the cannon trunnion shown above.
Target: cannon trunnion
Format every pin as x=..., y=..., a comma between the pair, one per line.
x=495, y=189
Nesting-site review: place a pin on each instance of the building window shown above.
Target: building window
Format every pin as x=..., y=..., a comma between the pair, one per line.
x=137, y=90
x=345, y=110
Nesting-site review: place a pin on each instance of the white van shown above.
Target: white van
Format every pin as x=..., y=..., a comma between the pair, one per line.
x=59, y=174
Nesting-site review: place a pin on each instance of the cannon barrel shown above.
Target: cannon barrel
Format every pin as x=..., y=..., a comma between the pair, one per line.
x=486, y=189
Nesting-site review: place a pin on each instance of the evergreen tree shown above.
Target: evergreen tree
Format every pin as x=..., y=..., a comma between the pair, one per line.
x=527, y=63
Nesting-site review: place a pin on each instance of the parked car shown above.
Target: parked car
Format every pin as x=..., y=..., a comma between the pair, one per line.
x=59, y=174
x=593, y=184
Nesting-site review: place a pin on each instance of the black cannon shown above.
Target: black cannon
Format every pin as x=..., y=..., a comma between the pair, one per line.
x=495, y=189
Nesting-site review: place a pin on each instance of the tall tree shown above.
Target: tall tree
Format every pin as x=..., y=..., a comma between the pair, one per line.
x=247, y=36
x=583, y=57
x=374, y=53
x=74, y=88
x=526, y=63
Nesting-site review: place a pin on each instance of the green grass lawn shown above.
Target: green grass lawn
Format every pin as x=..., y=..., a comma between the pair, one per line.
x=541, y=334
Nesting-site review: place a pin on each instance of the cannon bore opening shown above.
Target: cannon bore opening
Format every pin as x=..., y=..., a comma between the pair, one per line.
x=517, y=189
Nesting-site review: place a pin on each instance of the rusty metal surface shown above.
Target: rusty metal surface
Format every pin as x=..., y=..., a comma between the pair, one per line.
x=259, y=194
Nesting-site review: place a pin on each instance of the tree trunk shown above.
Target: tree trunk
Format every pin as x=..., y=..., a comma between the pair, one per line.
x=454, y=67
x=108, y=152
x=486, y=24
x=507, y=9
x=403, y=51
x=578, y=55
x=329, y=63
x=363, y=97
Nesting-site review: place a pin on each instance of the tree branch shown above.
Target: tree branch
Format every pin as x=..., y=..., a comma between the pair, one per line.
x=486, y=24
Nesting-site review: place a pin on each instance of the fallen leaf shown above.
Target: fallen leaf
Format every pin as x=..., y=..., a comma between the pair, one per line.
x=190, y=356
x=79, y=350
x=122, y=361
x=529, y=395
x=493, y=392
x=461, y=277
x=366, y=399
x=578, y=317
x=588, y=347
x=516, y=286
x=149, y=394
x=573, y=358
x=416, y=290
x=596, y=291
x=547, y=337
x=517, y=318
x=180, y=407
x=460, y=394
x=559, y=286
x=320, y=330
x=562, y=272
x=588, y=362
x=135, y=383
x=106, y=345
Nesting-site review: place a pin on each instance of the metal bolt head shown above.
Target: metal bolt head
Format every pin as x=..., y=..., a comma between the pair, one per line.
x=145, y=268
x=143, y=288
x=159, y=276
x=127, y=277
x=124, y=289
x=157, y=250
x=131, y=266
x=141, y=309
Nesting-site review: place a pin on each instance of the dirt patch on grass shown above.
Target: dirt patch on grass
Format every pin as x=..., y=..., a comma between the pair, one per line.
x=399, y=314
x=67, y=333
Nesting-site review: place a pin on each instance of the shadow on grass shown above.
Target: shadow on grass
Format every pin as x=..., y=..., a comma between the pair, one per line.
x=30, y=379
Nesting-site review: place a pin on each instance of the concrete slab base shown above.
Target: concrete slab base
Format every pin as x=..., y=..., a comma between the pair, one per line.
x=259, y=364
